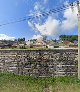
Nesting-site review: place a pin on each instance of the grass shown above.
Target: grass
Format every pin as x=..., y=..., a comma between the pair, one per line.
x=27, y=49
x=15, y=83
x=38, y=49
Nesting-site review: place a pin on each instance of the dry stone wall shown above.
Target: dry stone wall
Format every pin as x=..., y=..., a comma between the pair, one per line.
x=40, y=63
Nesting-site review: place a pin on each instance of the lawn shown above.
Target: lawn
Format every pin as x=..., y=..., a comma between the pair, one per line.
x=15, y=83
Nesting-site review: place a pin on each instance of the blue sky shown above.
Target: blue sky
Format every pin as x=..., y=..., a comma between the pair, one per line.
x=11, y=10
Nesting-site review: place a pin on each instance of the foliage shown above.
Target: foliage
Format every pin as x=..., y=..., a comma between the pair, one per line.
x=14, y=83
x=70, y=38
x=21, y=39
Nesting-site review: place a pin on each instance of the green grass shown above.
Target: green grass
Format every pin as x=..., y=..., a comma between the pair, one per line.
x=15, y=83
x=38, y=49
x=27, y=49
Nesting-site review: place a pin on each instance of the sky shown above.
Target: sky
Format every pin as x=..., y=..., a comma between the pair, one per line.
x=53, y=25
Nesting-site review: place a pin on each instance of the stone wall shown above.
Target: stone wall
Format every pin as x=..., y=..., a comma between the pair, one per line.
x=57, y=62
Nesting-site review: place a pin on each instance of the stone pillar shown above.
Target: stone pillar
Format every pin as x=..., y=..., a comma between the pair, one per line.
x=78, y=39
x=78, y=47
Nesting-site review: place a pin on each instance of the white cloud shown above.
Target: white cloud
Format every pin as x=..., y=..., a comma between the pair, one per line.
x=38, y=37
x=50, y=27
x=70, y=21
x=45, y=1
x=5, y=37
x=37, y=6
x=54, y=27
x=31, y=25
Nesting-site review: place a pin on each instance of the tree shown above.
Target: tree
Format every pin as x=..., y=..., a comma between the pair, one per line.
x=21, y=39
x=70, y=38
x=44, y=37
